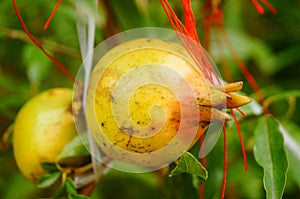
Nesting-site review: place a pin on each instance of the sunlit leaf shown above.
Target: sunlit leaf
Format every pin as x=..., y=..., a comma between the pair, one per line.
x=78, y=196
x=292, y=145
x=49, y=167
x=71, y=189
x=189, y=164
x=270, y=154
x=70, y=186
x=73, y=149
x=48, y=179
x=37, y=64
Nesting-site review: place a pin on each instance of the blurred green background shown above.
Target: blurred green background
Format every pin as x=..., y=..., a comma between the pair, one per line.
x=268, y=44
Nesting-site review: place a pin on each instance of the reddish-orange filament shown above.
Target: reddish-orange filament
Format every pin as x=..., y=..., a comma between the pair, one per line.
x=52, y=14
x=196, y=52
x=224, y=163
x=260, y=9
x=216, y=18
x=241, y=140
x=269, y=6
x=57, y=63
x=189, y=29
x=242, y=112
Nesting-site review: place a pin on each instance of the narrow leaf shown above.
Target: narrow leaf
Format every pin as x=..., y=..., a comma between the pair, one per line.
x=292, y=144
x=59, y=193
x=48, y=179
x=37, y=65
x=49, y=167
x=189, y=164
x=73, y=149
x=70, y=186
x=270, y=154
x=78, y=196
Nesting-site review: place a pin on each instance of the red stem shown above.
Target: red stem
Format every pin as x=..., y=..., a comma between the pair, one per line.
x=201, y=191
x=269, y=6
x=225, y=163
x=58, y=64
x=258, y=7
x=190, y=20
x=241, y=140
x=52, y=14
x=242, y=112
x=195, y=51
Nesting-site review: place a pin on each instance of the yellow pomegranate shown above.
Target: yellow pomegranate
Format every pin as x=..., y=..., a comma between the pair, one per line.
x=43, y=126
x=137, y=95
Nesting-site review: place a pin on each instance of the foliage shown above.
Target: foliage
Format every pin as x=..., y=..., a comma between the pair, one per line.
x=269, y=45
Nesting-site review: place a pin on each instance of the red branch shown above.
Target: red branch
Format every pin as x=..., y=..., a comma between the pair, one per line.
x=269, y=6
x=260, y=9
x=225, y=163
x=241, y=112
x=241, y=140
x=57, y=63
x=52, y=14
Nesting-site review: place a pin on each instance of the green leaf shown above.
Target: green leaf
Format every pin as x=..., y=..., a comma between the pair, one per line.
x=294, y=163
x=292, y=144
x=74, y=148
x=78, y=196
x=70, y=186
x=270, y=154
x=71, y=189
x=189, y=164
x=196, y=182
x=59, y=193
x=37, y=64
x=281, y=96
x=49, y=167
x=48, y=179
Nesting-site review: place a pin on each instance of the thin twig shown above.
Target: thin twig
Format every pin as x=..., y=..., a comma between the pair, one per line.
x=81, y=170
x=59, y=48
